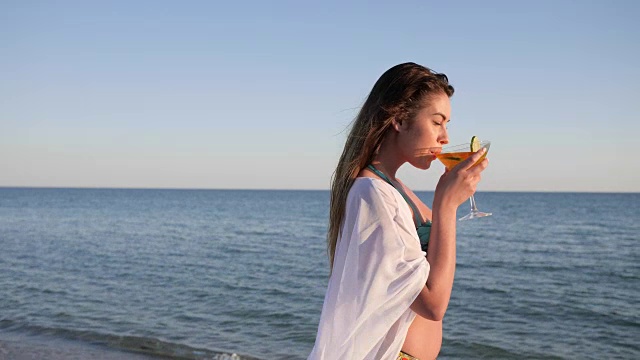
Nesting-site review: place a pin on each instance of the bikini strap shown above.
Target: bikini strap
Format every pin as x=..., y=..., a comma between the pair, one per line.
x=416, y=213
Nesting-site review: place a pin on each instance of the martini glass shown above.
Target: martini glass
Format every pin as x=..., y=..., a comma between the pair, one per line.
x=452, y=156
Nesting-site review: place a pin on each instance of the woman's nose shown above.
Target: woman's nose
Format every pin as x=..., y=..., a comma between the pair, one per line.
x=444, y=138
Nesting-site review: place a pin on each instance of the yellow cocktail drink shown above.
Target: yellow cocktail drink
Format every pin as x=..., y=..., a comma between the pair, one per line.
x=452, y=159
x=453, y=155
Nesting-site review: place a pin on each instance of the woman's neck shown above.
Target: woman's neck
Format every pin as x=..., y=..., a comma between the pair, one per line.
x=387, y=160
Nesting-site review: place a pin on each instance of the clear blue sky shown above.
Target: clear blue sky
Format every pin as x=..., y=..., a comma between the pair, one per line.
x=204, y=94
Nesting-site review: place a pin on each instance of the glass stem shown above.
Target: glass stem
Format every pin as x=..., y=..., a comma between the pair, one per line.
x=473, y=204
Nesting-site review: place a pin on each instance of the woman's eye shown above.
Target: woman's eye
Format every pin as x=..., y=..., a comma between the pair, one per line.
x=446, y=126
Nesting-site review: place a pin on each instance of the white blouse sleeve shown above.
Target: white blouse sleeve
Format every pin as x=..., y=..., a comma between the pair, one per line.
x=379, y=270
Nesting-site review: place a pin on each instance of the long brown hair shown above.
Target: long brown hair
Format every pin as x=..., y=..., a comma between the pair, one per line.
x=398, y=94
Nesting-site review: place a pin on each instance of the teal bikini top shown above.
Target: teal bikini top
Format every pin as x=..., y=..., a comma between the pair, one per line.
x=423, y=228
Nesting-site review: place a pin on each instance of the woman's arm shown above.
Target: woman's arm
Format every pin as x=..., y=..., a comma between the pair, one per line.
x=433, y=300
x=454, y=187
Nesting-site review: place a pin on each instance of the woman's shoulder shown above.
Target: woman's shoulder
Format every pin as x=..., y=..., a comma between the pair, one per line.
x=367, y=184
x=372, y=189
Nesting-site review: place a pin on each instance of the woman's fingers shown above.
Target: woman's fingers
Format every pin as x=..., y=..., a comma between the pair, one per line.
x=473, y=159
x=479, y=167
x=461, y=181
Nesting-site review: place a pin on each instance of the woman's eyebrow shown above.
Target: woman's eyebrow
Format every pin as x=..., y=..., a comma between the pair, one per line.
x=444, y=118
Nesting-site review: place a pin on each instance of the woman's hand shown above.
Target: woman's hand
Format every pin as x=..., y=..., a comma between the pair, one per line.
x=454, y=188
x=457, y=185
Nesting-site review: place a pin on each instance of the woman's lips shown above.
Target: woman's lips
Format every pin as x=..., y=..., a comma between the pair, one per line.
x=430, y=151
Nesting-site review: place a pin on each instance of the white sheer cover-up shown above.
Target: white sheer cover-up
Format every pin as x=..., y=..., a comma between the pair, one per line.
x=379, y=270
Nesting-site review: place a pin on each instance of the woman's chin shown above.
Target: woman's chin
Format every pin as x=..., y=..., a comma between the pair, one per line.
x=424, y=163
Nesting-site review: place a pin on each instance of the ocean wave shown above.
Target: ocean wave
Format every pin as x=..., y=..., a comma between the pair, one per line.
x=135, y=344
x=457, y=349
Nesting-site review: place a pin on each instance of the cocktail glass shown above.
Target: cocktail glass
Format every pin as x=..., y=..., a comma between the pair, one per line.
x=452, y=156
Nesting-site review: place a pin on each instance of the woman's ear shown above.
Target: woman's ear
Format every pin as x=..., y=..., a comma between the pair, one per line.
x=397, y=124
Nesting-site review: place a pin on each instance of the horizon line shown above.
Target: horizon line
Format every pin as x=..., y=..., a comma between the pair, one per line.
x=301, y=189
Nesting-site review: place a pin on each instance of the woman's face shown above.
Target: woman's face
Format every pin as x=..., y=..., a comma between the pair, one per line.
x=423, y=137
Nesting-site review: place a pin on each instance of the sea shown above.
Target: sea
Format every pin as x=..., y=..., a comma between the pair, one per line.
x=241, y=274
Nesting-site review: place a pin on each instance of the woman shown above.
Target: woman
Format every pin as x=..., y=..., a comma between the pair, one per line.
x=388, y=291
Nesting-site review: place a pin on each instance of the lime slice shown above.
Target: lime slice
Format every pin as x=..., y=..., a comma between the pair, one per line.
x=475, y=144
x=454, y=158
